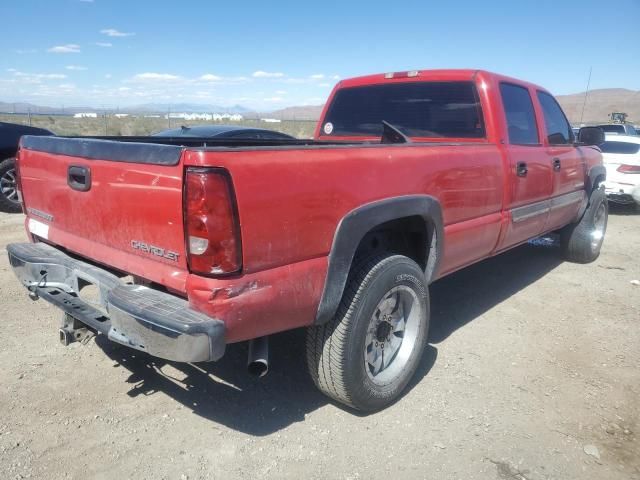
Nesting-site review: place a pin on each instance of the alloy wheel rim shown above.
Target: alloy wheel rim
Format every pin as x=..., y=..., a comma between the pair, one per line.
x=391, y=334
x=8, y=186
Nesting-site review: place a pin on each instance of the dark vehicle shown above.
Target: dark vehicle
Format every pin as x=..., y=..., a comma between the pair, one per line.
x=10, y=134
x=223, y=131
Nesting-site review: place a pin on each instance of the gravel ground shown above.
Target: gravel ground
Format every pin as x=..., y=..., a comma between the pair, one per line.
x=532, y=373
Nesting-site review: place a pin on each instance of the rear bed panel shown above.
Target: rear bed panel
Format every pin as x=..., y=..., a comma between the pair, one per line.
x=131, y=218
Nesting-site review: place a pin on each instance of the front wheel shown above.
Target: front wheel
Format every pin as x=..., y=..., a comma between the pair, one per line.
x=582, y=241
x=365, y=356
x=9, y=187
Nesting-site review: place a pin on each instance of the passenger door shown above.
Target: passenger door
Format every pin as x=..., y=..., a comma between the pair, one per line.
x=529, y=175
x=566, y=163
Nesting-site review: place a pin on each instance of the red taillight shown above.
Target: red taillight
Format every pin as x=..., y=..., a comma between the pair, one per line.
x=19, y=181
x=211, y=222
x=629, y=168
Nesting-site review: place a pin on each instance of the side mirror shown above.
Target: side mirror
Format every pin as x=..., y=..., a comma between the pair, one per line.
x=591, y=136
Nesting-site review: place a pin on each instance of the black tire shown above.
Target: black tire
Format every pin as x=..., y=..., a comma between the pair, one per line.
x=7, y=176
x=582, y=241
x=337, y=351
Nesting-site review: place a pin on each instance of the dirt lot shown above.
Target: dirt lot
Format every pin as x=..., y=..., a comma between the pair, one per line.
x=533, y=372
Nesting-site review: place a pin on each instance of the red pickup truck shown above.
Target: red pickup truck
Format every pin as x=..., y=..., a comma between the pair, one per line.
x=177, y=247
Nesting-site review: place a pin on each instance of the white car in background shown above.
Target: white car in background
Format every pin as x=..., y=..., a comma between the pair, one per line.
x=621, y=157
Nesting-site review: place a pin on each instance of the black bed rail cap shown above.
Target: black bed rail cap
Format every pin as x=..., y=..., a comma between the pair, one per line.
x=93, y=149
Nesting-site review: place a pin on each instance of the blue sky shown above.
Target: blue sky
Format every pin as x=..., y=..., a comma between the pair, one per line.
x=271, y=54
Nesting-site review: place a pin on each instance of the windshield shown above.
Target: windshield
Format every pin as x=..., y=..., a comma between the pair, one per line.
x=417, y=109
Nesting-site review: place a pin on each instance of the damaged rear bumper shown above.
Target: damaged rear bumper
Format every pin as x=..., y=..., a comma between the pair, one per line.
x=139, y=317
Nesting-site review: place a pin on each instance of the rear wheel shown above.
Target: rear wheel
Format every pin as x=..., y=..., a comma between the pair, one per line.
x=9, y=187
x=365, y=356
x=582, y=241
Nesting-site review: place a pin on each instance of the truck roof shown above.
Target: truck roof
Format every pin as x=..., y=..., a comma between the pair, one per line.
x=445, y=75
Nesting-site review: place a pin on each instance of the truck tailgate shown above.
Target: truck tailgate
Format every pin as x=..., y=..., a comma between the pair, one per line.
x=117, y=203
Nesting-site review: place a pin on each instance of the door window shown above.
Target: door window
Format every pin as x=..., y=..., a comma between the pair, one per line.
x=521, y=118
x=558, y=129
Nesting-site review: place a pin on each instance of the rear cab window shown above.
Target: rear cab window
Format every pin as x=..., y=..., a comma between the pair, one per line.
x=613, y=128
x=417, y=109
x=520, y=115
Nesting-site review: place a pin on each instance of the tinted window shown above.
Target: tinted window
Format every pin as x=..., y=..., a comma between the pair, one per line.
x=558, y=129
x=259, y=135
x=612, y=128
x=521, y=118
x=620, y=147
x=418, y=109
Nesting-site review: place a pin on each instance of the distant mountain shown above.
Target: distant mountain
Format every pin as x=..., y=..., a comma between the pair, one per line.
x=22, y=107
x=600, y=103
x=183, y=107
x=308, y=112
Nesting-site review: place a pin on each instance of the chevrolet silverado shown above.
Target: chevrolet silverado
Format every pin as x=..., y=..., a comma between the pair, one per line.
x=180, y=246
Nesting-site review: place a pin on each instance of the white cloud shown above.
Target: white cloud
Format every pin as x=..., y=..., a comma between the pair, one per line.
x=317, y=76
x=23, y=51
x=209, y=77
x=68, y=48
x=155, y=77
x=281, y=92
x=19, y=78
x=112, y=32
x=40, y=76
x=108, y=75
x=324, y=85
x=104, y=44
x=263, y=74
x=273, y=99
x=75, y=67
x=336, y=77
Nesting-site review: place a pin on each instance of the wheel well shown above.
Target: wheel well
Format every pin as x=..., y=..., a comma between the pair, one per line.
x=599, y=179
x=408, y=236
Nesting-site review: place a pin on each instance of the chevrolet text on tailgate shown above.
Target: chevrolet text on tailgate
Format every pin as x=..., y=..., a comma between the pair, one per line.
x=194, y=243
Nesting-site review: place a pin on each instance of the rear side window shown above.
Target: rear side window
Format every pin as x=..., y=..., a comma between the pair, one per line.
x=620, y=147
x=613, y=128
x=558, y=129
x=521, y=118
x=418, y=109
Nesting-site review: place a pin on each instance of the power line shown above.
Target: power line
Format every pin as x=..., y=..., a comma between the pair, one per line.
x=585, y=95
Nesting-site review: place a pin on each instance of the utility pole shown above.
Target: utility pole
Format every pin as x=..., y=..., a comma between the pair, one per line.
x=585, y=95
x=29, y=113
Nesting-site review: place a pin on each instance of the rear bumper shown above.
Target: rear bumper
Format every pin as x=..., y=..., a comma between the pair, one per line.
x=139, y=317
x=622, y=193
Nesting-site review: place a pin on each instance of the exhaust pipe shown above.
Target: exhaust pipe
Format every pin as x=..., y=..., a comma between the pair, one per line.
x=258, y=361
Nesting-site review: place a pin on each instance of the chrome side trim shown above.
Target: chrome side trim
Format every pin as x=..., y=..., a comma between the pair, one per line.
x=526, y=212
x=567, y=199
